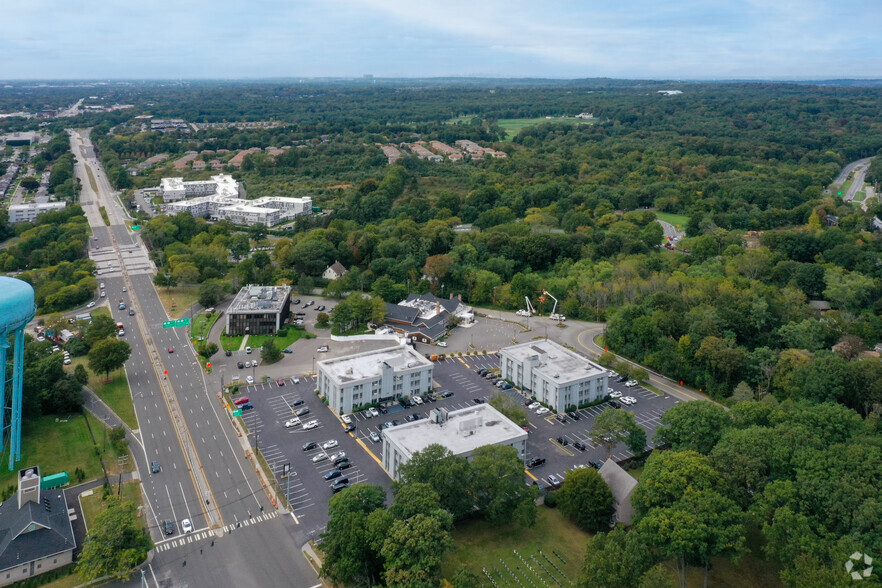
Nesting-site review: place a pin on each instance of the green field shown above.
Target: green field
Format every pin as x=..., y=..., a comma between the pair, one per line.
x=480, y=544
x=57, y=447
x=95, y=504
x=177, y=300
x=513, y=126
x=293, y=334
x=859, y=196
x=115, y=393
x=231, y=342
x=201, y=324
x=674, y=219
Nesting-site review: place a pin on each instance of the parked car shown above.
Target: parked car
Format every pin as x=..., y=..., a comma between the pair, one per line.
x=338, y=456
x=280, y=382
x=248, y=364
x=561, y=418
x=349, y=428
x=241, y=400
x=442, y=343
x=320, y=307
x=479, y=401
x=554, y=481
x=374, y=411
x=416, y=399
x=249, y=379
x=330, y=444
x=621, y=379
x=366, y=413
x=240, y=365
x=535, y=462
x=322, y=349
x=340, y=485
x=227, y=352
x=596, y=464
x=343, y=464
x=286, y=350
x=615, y=404
x=346, y=419
x=579, y=445
x=295, y=380
x=296, y=301
x=248, y=350
x=375, y=437
x=629, y=400
x=534, y=406
x=333, y=474
x=319, y=457
x=309, y=445
x=631, y=383
x=542, y=410
x=405, y=402
x=297, y=402
x=246, y=406
x=292, y=423
x=614, y=393
x=446, y=394
x=301, y=411
x=310, y=425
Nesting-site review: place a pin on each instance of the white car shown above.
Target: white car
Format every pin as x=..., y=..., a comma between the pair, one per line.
x=542, y=410
x=248, y=364
x=629, y=400
x=249, y=379
x=295, y=380
x=534, y=406
x=612, y=374
x=186, y=526
x=416, y=399
x=346, y=419
x=103, y=295
x=292, y=423
x=442, y=343
x=90, y=305
x=374, y=411
x=319, y=457
x=615, y=394
x=330, y=444
x=310, y=425
x=322, y=349
x=66, y=361
x=631, y=383
x=338, y=455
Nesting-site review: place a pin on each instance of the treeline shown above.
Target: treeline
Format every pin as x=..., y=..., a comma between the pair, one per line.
x=804, y=475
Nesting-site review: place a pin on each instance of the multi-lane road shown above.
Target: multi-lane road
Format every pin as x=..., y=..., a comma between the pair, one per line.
x=204, y=475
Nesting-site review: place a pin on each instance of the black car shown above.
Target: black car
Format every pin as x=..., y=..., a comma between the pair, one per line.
x=481, y=372
x=340, y=460
x=154, y=467
x=410, y=418
x=596, y=464
x=622, y=379
x=561, y=418
x=574, y=415
x=240, y=365
x=320, y=307
x=301, y=411
x=340, y=485
x=563, y=441
x=615, y=404
x=333, y=474
x=310, y=445
x=350, y=427
x=228, y=353
x=579, y=445
x=479, y=401
x=405, y=402
x=131, y=312
x=297, y=402
x=535, y=462
x=296, y=301
x=168, y=527
x=344, y=464
x=446, y=394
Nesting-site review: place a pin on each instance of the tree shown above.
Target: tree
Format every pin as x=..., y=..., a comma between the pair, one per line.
x=446, y=473
x=102, y=327
x=207, y=349
x=240, y=245
x=349, y=555
x=586, y=499
x=700, y=525
x=614, y=559
x=413, y=550
x=437, y=268
x=694, y=425
x=742, y=393
x=417, y=498
x=115, y=544
x=211, y=292
x=616, y=426
x=498, y=485
x=322, y=319
x=108, y=355
x=666, y=477
x=81, y=375
x=270, y=353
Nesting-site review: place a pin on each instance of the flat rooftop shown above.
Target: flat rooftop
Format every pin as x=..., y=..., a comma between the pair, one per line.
x=369, y=364
x=253, y=299
x=464, y=431
x=556, y=362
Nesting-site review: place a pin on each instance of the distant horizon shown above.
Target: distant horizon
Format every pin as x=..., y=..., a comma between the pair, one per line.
x=266, y=39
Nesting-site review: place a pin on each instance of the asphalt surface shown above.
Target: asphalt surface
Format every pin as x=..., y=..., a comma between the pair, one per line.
x=843, y=175
x=205, y=476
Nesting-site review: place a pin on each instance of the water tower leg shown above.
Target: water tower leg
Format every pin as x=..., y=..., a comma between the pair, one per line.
x=17, y=381
x=3, y=347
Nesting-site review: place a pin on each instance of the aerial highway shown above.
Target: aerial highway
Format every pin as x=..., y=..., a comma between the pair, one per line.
x=204, y=474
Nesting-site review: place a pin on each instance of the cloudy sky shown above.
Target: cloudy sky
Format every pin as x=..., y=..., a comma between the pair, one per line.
x=685, y=39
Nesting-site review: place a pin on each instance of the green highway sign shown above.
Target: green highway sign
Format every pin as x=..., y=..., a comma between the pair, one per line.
x=184, y=322
x=237, y=412
x=136, y=227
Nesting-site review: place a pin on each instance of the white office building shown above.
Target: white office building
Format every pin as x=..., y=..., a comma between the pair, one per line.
x=19, y=213
x=384, y=375
x=176, y=189
x=460, y=431
x=553, y=374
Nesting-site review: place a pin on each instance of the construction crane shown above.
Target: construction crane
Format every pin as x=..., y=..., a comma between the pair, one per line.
x=554, y=316
x=530, y=311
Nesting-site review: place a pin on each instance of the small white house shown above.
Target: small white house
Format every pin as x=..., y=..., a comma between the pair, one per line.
x=334, y=271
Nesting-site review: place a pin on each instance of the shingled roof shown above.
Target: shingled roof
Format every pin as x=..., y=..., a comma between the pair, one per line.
x=35, y=530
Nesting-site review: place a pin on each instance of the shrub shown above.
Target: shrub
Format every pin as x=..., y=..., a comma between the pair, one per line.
x=551, y=499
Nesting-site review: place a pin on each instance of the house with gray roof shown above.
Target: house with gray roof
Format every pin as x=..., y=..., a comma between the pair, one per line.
x=425, y=317
x=36, y=534
x=622, y=485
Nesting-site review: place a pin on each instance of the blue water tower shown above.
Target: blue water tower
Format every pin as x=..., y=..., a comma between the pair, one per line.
x=16, y=311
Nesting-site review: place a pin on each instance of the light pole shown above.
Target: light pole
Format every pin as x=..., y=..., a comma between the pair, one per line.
x=257, y=443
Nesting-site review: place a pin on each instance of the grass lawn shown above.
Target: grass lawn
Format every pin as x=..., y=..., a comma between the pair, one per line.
x=95, y=504
x=859, y=196
x=201, y=325
x=231, y=342
x=66, y=576
x=59, y=447
x=512, y=126
x=674, y=219
x=115, y=393
x=844, y=187
x=92, y=180
x=177, y=300
x=480, y=544
x=292, y=335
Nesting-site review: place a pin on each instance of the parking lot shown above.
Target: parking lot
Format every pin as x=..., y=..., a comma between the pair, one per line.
x=307, y=490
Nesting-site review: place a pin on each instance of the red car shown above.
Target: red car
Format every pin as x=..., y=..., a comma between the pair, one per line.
x=280, y=382
x=242, y=400
x=171, y=349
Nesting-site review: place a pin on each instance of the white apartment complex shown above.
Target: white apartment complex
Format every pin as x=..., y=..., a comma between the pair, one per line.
x=223, y=185
x=19, y=213
x=553, y=374
x=384, y=375
x=460, y=431
x=269, y=210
